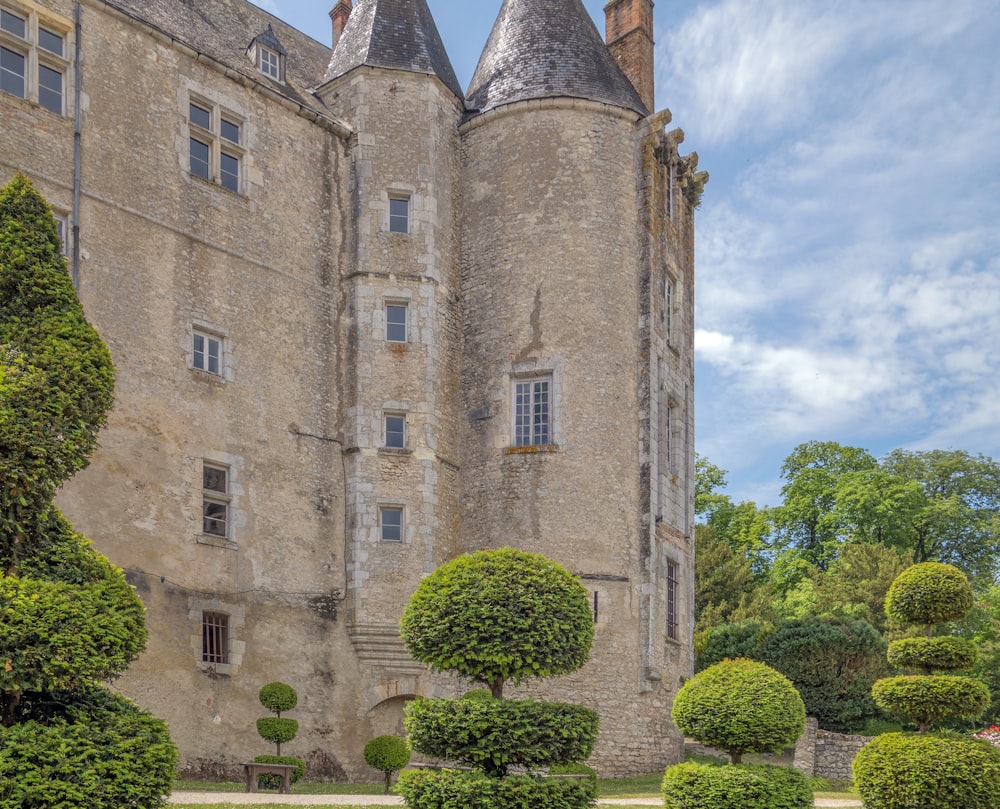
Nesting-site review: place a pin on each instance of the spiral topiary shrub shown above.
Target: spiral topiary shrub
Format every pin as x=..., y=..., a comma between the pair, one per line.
x=735, y=786
x=929, y=593
x=68, y=619
x=740, y=706
x=943, y=653
x=930, y=770
x=387, y=754
x=278, y=697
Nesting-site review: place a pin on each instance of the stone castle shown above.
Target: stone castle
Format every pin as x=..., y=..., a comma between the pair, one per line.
x=364, y=322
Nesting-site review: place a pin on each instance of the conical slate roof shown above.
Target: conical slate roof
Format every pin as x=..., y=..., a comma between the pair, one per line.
x=395, y=34
x=544, y=49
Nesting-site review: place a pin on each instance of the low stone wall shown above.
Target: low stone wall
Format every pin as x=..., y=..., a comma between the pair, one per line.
x=825, y=754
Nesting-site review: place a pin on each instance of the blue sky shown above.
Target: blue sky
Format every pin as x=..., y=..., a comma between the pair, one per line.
x=848, y=243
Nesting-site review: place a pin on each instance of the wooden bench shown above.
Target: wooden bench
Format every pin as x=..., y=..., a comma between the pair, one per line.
x=253, y=769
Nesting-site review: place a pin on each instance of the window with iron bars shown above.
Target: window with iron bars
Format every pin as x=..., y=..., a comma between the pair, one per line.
x=214, y=637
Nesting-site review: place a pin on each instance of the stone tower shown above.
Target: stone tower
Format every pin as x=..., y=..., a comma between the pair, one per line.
x=365, y=321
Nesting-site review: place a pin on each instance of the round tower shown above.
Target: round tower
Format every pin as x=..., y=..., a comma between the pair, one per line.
x=569, y=256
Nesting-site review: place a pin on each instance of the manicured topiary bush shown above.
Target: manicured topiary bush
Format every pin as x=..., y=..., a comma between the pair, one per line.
x=278, y=697
x=930, y=771
x=707, y=786
x=740, y=706
x=497, y=617
x=68, y=619
x=387, y=754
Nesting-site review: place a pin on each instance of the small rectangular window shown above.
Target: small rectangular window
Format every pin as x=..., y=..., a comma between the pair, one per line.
x=395, y=322
x=50, y=89
x=12, y=23
x=207, y=352
x=672, y=629
x=230, y=131
x=390, y=519
x=214, y=637
x=215, y=501
x=395, y=431
x=532, y=412
x=12, y=75
x=270, y=63
x=200, y=116
x=399, y=215
x=50, y=41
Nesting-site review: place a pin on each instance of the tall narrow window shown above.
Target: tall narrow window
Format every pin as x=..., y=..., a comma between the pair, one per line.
x=215, y=145
x=206, y=354
x=532, y=412
x=390, y=519
x=214, y=637
x=399, y=215
x=395, y=430
x=669, y=304
x=672, y=631
x=215, y=501
x=395, y=322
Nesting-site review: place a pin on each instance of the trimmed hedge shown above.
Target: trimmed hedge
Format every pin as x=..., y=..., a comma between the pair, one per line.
x=929, y=593
x=929, y=771
x=270, y=781
x=455, y=789
x=925, y=698
x=740, y=706
x=735, y=786
x=276, y=729
x=497, y=734
x=92, y=748
x=278, y=697
x=945, y=653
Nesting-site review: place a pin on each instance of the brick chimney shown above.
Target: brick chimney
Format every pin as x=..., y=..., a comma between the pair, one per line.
x=339, y=14
x=629, y=35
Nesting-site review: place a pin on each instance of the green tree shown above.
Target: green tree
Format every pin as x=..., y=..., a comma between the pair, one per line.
x=68, y=619
x=387, y=754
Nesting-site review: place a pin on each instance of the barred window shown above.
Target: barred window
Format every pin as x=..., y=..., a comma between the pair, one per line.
x=672, y=629
x=214, y=637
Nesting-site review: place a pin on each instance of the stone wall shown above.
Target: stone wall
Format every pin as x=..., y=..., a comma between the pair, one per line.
x=824, y=754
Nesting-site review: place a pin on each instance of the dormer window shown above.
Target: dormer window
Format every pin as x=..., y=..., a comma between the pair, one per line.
x=267, y=55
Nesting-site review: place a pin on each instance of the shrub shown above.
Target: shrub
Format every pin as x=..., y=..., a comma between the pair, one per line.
x=270, y=781
x=476, y=790
x=735, y=786
x=929, y=593
x=930, y=771
x=730, y=641
x=499, y=616
x=277, y=730
x=88, y=748
x=278, y=697
x=496, y=734
x=926, y=698
x=740, y=706
x=387, y=754
x=832, y=663
x=945, y=653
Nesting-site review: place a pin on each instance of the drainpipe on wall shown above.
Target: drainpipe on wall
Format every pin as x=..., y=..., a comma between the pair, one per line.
x=77, y=119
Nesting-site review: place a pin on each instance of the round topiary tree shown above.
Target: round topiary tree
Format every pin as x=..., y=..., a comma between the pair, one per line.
x=68, y=618
x=499, y=617
x=278, y=697
x=740, y=706
x=387, y=754
x=933, y=771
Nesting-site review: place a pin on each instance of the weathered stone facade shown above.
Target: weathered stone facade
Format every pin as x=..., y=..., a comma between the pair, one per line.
x=547, y=238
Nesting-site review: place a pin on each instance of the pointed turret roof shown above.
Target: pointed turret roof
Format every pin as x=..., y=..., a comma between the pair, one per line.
x=395, y=34
x=544, y=49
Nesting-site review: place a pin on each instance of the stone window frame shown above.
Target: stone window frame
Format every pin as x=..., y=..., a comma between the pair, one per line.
x=400, y=212
x=212, y=128
x=208, y=338
x=399, y=435
x=672, y=599
x=404, y=306
x=215, y=497
x=215, y=637
x=671, y=301
x=197, y=608
x=37, y=56
x=394, y=509
x=518, y=425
